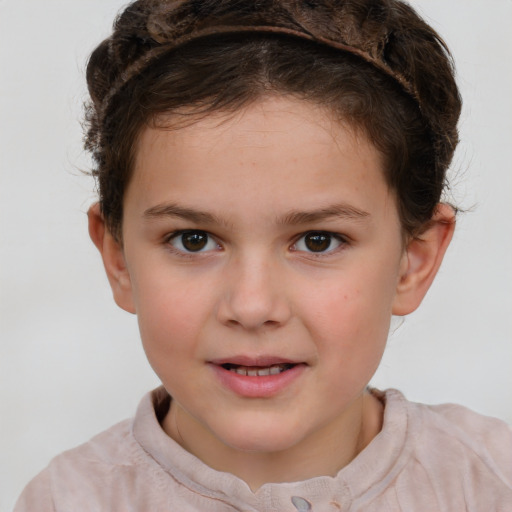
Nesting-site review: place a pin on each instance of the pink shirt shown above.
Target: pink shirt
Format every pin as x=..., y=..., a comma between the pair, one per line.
x=426, y=458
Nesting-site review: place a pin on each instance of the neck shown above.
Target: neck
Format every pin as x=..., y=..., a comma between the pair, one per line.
x=323, y=453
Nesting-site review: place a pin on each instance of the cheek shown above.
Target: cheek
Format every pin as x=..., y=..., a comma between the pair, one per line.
x=353, y=334
x=356, y=303
x=171, y=314
x=349, y=318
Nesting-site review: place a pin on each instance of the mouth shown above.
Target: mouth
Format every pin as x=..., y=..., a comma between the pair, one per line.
x=259, y=376
x=258, y=371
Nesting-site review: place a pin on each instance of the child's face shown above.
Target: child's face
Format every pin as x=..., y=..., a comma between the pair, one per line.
x=265, y=240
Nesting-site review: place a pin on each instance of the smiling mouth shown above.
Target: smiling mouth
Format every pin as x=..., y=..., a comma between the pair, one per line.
x=258, y=371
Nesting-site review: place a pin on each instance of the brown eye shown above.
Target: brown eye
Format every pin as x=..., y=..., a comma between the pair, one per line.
x=193, y=241
x=318, y=242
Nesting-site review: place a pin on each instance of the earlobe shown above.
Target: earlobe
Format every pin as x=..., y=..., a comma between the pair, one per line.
x=422, y=260
x=113, y=259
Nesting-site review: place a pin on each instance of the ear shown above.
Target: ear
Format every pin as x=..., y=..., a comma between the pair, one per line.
x=422, y=259
x=113, y=259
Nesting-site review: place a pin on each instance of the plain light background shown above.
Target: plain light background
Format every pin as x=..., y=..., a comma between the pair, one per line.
x=71, y=363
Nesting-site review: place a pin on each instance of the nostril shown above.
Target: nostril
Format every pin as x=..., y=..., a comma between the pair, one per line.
x=250, y=320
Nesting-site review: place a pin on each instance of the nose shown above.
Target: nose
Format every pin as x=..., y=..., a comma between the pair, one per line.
x=254, y=295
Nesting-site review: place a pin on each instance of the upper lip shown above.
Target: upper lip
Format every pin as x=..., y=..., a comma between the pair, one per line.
x=262, y=361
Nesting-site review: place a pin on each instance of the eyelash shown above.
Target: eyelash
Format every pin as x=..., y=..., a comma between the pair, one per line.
x=341, y=241
x=178, y=235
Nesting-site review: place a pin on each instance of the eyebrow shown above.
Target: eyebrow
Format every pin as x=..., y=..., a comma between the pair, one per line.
x=342, y=211
x=294, y=217
x=173, y=210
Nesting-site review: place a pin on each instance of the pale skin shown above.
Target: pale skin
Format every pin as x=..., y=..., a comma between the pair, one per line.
x=257, y=188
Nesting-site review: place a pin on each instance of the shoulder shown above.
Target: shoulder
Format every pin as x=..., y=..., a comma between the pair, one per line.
x=112, y=471
x=86, y=471
x=112, y=448
x=37, y=495
x=458, y=428
x=456, y=451
x=474, y=429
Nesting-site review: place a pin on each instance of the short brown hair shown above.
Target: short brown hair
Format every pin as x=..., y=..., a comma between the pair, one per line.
x=374, y=63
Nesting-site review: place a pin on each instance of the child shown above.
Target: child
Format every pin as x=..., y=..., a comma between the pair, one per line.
x=270, y=179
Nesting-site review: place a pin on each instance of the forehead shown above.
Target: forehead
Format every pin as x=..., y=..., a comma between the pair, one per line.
x=277, y=151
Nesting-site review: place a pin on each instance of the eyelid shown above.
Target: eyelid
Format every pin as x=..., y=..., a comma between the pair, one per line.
x=184, y=252
x=342, y=239
x=341, y=242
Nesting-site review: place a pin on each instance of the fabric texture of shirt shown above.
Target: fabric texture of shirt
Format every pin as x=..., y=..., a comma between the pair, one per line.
x=442, y=458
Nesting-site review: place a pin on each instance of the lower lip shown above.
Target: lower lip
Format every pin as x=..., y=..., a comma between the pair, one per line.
x=257, y=387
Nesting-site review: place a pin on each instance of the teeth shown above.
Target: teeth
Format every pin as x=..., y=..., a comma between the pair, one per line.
x=259, y=372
